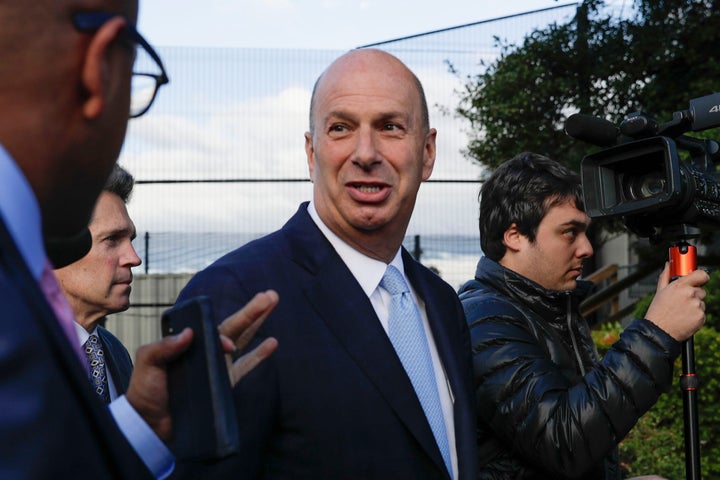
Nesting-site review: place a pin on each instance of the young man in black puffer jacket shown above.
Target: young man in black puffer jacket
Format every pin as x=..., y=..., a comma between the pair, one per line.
x=548, y=408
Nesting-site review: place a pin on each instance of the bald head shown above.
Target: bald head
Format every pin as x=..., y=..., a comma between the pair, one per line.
x=368, y=60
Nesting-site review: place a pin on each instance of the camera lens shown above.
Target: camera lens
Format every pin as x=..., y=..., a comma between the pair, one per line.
x=652, y=185
x=645, y=186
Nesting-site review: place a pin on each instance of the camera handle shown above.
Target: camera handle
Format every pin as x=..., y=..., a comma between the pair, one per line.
x=683, y=261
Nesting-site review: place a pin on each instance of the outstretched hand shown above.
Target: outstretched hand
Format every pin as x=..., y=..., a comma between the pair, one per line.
x=148, y=388
x=678, y=307
x=239, y=329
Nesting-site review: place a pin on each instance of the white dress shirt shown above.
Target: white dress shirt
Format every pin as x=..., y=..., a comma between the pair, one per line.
x=369, y=272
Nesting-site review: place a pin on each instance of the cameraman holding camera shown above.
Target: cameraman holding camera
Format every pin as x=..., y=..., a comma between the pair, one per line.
x=547, y=406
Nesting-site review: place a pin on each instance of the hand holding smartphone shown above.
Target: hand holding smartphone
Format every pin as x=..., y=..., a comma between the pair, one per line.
x=200, y=395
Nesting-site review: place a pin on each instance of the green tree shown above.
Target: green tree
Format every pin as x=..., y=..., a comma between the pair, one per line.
x=597, y=64
x=654, y=61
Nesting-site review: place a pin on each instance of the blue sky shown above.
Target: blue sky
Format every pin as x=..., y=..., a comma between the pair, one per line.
x=321, y=24
x=251, y=126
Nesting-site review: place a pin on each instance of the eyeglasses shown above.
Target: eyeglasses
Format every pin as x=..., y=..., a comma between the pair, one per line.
x=145, y=84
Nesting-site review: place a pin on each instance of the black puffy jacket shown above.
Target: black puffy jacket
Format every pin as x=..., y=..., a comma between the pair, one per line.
x=547, y=408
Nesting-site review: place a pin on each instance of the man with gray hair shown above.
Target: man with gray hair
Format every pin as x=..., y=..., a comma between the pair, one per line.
x=99, y=284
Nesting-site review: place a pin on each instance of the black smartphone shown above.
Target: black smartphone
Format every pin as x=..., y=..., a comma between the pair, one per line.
x=200, y=395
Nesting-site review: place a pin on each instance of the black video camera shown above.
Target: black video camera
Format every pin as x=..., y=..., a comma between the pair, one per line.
x=641, y=177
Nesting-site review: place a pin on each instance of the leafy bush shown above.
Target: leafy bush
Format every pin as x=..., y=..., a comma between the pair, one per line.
x=656, y=444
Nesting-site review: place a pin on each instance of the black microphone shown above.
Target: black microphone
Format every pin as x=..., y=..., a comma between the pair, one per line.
x=594, y=130
x=705, y=112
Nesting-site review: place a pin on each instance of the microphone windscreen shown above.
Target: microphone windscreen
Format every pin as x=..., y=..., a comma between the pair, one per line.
x=594, y=130
x=64, y=251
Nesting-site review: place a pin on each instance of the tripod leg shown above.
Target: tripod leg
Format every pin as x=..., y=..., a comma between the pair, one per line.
x=683, y=260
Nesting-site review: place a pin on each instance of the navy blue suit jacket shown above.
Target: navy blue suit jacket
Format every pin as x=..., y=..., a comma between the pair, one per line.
x=334, y=400
x=117, y=359
x=52, y=424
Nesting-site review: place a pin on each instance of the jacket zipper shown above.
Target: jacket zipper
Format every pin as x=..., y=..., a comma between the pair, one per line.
x=572, y=335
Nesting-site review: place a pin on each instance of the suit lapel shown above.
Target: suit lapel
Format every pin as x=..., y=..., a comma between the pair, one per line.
x=44, y=314
x=108, y=438
x=348, y=313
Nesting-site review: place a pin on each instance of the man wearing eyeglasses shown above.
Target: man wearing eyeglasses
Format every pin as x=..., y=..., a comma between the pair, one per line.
x=65, y=93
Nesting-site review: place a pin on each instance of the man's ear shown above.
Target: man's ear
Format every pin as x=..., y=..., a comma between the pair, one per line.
x=513, y=239
x=310, y=152
x=96, y=69
x=429, y=154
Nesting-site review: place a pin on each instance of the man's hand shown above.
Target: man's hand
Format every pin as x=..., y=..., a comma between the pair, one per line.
x=238, y=330
x=678, y=307
x=148, y=390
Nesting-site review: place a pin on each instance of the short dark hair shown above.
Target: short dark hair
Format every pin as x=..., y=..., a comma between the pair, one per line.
x=521, y=191
x=120, y=182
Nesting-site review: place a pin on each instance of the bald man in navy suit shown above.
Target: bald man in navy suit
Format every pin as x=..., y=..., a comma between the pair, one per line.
x=335, y=401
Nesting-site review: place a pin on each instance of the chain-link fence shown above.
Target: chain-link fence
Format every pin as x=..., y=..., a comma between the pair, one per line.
x=219, y=160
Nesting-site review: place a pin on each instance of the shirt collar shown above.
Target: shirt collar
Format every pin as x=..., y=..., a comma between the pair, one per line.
x=367, y=271
x=83, y=334
x=21, y=213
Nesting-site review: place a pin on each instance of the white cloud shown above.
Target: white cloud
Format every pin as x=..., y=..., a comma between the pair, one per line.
x=261, y=136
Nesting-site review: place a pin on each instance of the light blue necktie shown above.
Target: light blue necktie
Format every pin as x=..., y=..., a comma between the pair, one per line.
x=406, y=332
